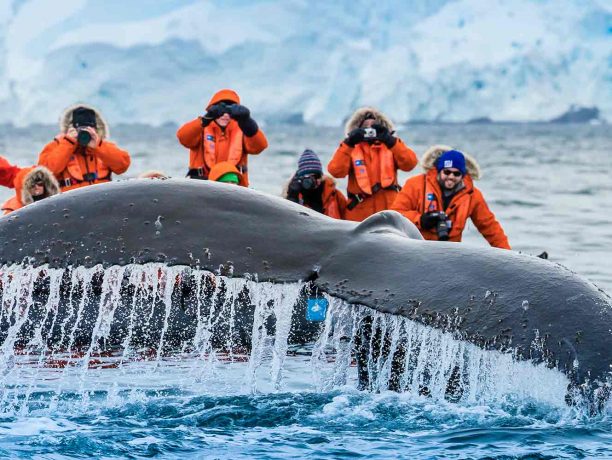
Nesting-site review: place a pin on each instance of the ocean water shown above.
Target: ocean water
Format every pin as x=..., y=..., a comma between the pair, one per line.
x=548, y=186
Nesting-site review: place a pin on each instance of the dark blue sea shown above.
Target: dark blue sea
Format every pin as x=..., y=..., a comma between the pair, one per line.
x=550, y=187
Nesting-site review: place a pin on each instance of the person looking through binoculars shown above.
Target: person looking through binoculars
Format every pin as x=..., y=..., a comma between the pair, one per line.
x=311, y=188
x=226, y=132
x=370, y=155
x=81, y=155
x=440, y=201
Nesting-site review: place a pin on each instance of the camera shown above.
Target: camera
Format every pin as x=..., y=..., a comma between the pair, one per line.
x=225, y=107
x=369, y=133
x=308, y=183
x=442, y=227
x=83, y=137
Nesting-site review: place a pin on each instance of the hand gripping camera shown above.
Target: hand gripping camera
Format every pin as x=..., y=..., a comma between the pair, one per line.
x=443, y=226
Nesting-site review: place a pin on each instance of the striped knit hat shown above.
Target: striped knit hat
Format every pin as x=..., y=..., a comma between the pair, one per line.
x=309, y=163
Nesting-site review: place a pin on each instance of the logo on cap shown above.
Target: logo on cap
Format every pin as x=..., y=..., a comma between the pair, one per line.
x=448, y=163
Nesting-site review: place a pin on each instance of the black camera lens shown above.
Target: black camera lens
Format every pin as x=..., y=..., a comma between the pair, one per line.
x=442, y=228
x=83, y=138
x=309, y=183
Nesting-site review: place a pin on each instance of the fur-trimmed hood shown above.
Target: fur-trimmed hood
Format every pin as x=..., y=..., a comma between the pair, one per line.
x=66, y=120
x=32, y=176
x=429, y=158
x=359, y=116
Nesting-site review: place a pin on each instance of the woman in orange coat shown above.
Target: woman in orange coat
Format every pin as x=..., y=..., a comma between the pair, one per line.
x=370, y=155
x=81, y=155
x=311, y=188
x=440, y=201
x=225, y=133
x=31, y=184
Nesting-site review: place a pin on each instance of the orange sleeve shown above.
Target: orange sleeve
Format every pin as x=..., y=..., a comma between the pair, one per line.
x=408, y=200
x=190, y=134
x=404, y=156
x=8, y=172
x=117, y=160
x=486, y=223
x=340, y=164
x=255, y=144
x=56, y=154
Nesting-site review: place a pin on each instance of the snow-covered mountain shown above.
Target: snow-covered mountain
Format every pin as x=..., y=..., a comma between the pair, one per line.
x=159, y=60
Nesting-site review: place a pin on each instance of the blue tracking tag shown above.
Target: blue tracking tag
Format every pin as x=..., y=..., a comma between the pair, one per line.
x=316, y=309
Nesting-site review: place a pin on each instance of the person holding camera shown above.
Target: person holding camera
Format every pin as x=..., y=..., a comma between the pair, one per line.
x=80, y=155
x=31, y=184
x=440, y=201
x=370, y=155
x=311, y=188
x=226, y=132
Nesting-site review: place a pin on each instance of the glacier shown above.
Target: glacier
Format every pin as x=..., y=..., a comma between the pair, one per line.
x=295, y=60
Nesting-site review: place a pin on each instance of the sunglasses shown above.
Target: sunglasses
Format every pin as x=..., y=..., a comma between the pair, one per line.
x=448, y=172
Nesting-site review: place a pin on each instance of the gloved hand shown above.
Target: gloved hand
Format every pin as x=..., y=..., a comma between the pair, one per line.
x=429, y=220
x=294, y=189
x=242, y=115
x=354, y=137
x=239, y=112
x=384, y=136
x=213, y=112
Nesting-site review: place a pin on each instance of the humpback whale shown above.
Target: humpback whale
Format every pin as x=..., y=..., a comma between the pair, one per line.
x=495, y=299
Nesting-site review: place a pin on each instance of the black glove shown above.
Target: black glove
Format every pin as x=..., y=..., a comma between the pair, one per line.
x=239, y=112
x=354, y=137
x=384, y=136
x=294, y=189
x=213, y=112
x=429, y=220
x=242, y=115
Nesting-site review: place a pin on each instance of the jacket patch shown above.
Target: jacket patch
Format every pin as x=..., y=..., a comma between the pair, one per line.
x=210, y=137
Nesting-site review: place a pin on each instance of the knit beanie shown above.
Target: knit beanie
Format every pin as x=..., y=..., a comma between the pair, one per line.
x=229, y=178
x=451, y=159
x=309, y=163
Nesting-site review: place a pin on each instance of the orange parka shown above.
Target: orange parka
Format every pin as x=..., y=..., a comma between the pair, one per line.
x=212, y=144
x=76, y=166
x=372, y=168
x=423, y=193
x=334, y=201
x=24, y=180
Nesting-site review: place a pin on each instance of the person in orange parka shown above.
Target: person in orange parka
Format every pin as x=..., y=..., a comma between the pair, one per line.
x=371, y=162
x=8, y=172
x=81, y=155
x=31, y=184
x=446, y=192
x=311, y=188
x=225, y=133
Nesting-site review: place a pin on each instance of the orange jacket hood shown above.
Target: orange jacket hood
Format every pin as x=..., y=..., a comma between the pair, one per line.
x=224, y=95
x=27, y=177
x=222, y=168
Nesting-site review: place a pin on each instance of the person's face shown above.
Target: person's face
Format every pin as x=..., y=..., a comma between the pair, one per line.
x=223, y=120
x=450, y=177
x=37, y=190
x=368, y=123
